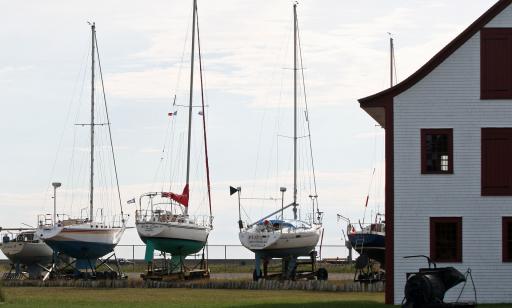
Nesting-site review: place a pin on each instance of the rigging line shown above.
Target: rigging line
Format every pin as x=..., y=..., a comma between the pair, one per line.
x=68, y=113
x=109, y=129
x=203, y=116
x=182, y=60
x=307, y=112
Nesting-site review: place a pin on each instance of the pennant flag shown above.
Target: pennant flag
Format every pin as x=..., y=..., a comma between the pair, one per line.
x=200, y=113
x=131, y=201
x=232, y=190
x=181, y=199
x=172, y=113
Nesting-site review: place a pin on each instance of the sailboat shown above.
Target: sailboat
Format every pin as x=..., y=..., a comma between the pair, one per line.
x=26, y=249
x=279, y=237
x=165, y=225
x=86, y=238
x=369, y=239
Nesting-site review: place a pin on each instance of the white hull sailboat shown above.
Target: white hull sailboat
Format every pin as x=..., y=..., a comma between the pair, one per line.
x=26, y=249
x=85, y=239
x=273, y=236
x=175, y=233
x=295, y=238
x=167, y=226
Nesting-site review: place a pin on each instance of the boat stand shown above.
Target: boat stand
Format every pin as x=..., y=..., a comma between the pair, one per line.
x=292, y=268
x=32, y=271
x=65, y=268
x=368, y=270
x=14, y=273
x=175, y=269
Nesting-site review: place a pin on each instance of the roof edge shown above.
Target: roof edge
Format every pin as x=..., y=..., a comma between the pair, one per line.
x=442, y=55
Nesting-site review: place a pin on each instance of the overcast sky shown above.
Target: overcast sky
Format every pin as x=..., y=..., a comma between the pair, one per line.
x=246, y=49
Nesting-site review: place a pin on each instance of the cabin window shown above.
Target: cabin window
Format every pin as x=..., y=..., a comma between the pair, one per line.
x=496, y=63
x=496, y=163
x=437, y=151
x=446, y=239
x=507, y=239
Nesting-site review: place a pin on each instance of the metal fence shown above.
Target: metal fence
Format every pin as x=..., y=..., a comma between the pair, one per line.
x=226, y=252
x=220, y=252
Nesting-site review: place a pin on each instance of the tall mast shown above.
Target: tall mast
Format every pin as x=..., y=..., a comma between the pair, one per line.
x=295, y=111
x=391, y=60
x=190, y=95
x=91, y=193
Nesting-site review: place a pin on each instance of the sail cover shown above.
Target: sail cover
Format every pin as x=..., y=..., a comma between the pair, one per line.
x=181, y=199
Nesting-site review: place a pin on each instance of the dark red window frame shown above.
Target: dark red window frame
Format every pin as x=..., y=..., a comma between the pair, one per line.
x=434, y=238
x=496, y=63
x=424, y=153
x=506, y=239
x=496, y=165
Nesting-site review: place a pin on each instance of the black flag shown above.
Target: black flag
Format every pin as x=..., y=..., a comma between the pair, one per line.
x=232, y=190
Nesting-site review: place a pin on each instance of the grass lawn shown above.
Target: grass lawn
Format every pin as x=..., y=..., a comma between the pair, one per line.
x=70, y=297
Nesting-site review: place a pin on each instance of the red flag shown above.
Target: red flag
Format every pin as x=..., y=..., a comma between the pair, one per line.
x=181, y=199
x=172, y=113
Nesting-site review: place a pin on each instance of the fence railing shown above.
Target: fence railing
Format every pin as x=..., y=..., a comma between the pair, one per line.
x=220, y=252
x=225, y=252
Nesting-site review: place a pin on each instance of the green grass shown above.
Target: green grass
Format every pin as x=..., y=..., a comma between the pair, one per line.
x=2, y=296
x=70, y=297
x=127, y=298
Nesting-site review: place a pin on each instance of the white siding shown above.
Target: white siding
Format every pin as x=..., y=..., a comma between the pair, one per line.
x=449, y=97
x=503, y=20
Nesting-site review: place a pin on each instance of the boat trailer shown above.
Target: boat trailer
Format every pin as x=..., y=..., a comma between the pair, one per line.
x=292, y=268
x=174, y=269
x=368, y=270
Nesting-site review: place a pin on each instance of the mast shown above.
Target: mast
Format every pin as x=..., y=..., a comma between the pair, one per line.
x=295, y=111
x=190, y=95
x=391, y=58
x=91, y=193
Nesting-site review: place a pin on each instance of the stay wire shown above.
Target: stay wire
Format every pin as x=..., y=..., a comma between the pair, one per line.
x=109, y=129
x=307, y=116
x=204, y=116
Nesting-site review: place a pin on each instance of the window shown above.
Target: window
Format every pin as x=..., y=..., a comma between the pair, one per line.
x=437, y=151
x=507, y=239
x=446, y=239
x=496, y=63
x=496, y=163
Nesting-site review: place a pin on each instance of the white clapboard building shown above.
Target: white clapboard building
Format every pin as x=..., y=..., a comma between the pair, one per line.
x=449, y=161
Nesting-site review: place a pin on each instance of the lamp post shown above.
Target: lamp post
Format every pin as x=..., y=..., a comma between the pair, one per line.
x=55, y=186
x=282, y=190
x=313, y=198
x=238, y=190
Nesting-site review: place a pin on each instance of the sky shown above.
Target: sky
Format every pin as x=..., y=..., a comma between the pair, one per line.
x=247, y=57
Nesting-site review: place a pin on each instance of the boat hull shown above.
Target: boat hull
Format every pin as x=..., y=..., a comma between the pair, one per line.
x=371, y=244
x=82, y=241
x=281, y=245
x=178, y=239
x=27, y=253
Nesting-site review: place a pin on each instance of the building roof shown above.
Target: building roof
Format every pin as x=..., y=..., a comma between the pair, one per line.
x=376, y=99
